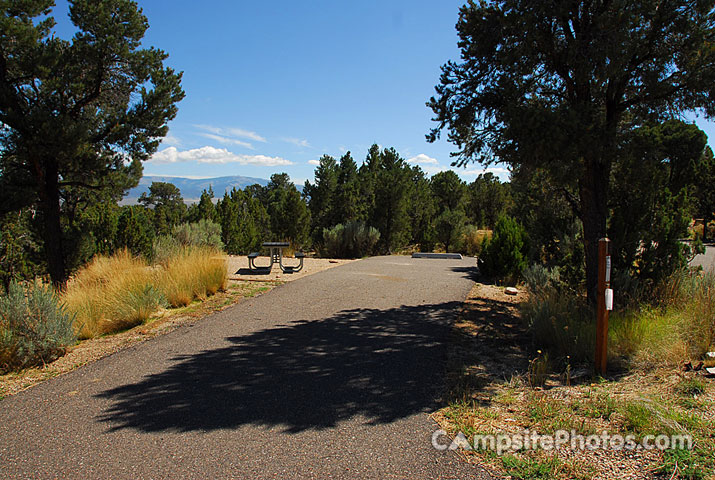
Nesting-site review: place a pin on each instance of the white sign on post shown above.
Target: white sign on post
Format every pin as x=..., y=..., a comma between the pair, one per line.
x=609, y=299
x=608, y=268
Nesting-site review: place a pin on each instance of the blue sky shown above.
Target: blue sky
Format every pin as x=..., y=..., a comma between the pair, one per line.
x=272, y=86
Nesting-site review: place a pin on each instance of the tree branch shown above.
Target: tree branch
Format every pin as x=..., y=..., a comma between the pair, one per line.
x=80, y=184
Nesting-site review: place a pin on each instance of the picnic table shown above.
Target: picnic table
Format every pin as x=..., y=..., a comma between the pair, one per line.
x=276, y=255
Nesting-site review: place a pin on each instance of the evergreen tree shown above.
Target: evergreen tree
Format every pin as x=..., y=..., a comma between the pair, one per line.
x=79, y=114
x=101, y=220
x=391, y=186
x=448, y=190
x=135, y=230
x=561, y=85
x=449, y=226
x=348, y=206
x=652, y=199
x=205, y=209
x=243, y=220
x=704, y=191
x=289, y=215
x=421, y=209
x=487, y=199
x=167, y=204
x=19, y=248
x=322, y=197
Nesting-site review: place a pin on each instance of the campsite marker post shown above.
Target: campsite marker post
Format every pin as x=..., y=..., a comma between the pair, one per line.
x=604, y=303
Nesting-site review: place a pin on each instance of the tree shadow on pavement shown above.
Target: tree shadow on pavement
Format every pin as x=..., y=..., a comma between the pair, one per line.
x=472, y=273
x=382, y=365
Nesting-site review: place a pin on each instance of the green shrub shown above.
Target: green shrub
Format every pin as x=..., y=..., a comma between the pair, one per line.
x=164, y=247
x=34, y=327
x=540, y=280
x=203, y=233
x=504, y=257
x=350, y=240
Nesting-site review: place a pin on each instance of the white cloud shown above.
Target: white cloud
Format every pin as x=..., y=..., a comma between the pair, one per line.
x=209, y=154
x=423, y=159
x=238, y=132
x=297, y=142
x=227, y=141
x=314, y=162
x=170, y=140
x=231, y=135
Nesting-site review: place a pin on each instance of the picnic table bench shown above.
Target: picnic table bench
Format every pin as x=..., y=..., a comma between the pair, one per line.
x=276, y=255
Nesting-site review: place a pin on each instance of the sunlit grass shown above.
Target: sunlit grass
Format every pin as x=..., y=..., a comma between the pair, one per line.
x=118, y=292
x=192, y=273
x=111, y=294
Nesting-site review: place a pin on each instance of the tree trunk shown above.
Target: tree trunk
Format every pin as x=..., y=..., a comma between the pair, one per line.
x=52, y=231
x=594, y=212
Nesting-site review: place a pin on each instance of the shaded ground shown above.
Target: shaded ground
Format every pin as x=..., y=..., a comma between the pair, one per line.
x=333, y=375
x=160, y=323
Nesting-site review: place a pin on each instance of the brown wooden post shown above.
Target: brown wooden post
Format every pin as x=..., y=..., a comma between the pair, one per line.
x=604, y=280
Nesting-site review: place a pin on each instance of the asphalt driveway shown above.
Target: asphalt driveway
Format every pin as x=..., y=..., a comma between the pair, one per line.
x=330, y=376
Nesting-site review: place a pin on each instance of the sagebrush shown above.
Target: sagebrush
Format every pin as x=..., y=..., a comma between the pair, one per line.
x=35, y=328
x=349, y=240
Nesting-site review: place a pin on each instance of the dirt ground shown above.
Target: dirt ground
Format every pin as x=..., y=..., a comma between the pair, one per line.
x=238, y=268
x=491, y=365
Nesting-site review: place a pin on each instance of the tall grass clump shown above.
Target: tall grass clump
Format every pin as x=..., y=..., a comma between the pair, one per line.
x=697, y=307
x=111, y=294
x=349, y=240
x=560, y=323
x=678, y=325
x=193, y=272
x=35, y=328
x=646, y=337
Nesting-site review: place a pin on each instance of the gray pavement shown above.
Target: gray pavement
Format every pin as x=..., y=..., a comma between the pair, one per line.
x=705, y=260
x=330, y=376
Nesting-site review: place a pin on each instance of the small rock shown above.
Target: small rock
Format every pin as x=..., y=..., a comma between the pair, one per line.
x=511, y=291
x=332, y=261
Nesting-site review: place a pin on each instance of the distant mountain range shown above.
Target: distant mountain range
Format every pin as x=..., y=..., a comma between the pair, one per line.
x=191, y=188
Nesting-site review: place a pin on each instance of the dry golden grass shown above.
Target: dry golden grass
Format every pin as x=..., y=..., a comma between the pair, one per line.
x=195, y=272
x=118, y=292
x=110, y=294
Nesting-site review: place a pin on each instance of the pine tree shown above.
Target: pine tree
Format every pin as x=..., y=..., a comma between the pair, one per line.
x=77, y=114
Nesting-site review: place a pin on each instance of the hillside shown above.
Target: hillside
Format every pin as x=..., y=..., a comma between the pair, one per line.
x=191, y=188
